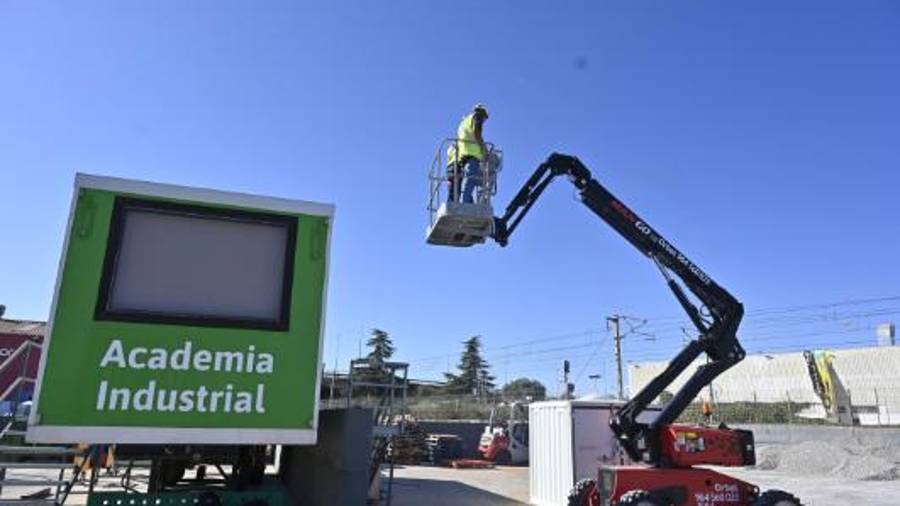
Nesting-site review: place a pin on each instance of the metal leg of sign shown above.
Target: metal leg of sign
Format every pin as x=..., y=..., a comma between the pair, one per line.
x=62, y=475
x=76, y=475
x=390, y=491
x=125, y=482
x=95, y=463
x=223, y=474
x=155, y=484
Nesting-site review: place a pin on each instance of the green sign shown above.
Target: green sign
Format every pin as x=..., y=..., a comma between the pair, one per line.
x=184, y=315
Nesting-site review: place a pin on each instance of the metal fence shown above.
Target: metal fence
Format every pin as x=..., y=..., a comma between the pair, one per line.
x=871, y=407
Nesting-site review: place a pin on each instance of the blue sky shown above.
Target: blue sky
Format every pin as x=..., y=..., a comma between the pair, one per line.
x=761, y=138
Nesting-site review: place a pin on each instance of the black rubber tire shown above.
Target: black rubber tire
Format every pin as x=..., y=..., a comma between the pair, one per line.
x=640, y=498
x=776, y=498
x=584, y=493
x=503, y=458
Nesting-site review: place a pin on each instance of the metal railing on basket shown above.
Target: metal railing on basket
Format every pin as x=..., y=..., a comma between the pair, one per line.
x=444, y=173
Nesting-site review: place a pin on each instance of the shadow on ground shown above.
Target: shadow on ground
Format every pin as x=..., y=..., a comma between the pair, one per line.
x=418, y=491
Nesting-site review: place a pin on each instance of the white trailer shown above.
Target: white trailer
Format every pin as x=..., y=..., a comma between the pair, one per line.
x=568, y=440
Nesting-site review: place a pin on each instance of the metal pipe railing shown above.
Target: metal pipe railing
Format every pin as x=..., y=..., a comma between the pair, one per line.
x=24, y=348
x=444, y=173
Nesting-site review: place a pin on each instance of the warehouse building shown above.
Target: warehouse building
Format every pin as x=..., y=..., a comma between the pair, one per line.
x=870, y=376
x=20, y=353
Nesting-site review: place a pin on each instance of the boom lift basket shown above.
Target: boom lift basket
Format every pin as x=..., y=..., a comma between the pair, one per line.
x=452, y=222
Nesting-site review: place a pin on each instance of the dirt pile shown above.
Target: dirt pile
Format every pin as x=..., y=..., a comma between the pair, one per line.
x=848, y=459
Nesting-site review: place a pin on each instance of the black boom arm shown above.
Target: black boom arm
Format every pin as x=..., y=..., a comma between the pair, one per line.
x=717, y=330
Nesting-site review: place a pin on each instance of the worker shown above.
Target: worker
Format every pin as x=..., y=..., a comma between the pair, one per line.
x=467, y=155
x=707, y=410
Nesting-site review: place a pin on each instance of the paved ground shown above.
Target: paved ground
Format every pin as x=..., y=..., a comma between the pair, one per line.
x=444, y=486
x=506, y=486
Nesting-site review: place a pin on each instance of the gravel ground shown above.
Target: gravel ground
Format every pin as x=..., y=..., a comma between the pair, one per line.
x=824, y=491
x=845, y=459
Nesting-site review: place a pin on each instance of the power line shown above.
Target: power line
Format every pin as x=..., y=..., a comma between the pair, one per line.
x=556, y=337
x=588, y=361
x=793, y=308
x=800, y=321
x=751, y=321
x=553, y=353
x=656, y=355
x=815, y=323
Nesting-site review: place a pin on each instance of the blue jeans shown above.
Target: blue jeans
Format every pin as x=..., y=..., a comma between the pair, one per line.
x=471, y=171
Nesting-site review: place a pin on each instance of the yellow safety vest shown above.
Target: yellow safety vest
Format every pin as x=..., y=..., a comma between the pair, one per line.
x=466, y=144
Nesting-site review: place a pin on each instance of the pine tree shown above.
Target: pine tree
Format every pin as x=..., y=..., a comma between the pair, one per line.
x=474, y=376
x=381, y=345
x=522, y=388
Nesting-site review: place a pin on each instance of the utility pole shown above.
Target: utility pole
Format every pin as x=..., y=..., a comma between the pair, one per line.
x=612, y=323
x=634, y=324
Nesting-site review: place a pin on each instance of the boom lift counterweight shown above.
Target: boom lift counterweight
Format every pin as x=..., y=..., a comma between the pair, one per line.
x=670, y=450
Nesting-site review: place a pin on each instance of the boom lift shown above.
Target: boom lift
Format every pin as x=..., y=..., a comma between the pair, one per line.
x=668, y=451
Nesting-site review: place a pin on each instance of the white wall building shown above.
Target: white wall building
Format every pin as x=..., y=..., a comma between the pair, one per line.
x=871, y=375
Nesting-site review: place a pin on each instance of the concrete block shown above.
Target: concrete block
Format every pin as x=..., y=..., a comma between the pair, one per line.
x=334, y=472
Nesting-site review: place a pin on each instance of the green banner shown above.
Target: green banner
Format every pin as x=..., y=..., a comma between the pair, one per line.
x=140, y=351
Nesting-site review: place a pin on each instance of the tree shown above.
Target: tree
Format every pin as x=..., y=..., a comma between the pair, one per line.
x=521, y=388
x=381, y=345
x=374, y=371
x=474, y=376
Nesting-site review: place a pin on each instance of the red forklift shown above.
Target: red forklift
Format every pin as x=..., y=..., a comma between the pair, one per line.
x=505, y=439
x=668, y=454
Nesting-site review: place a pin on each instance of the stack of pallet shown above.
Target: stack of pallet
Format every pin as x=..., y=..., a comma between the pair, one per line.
x=410, y=446
x=442, y=448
